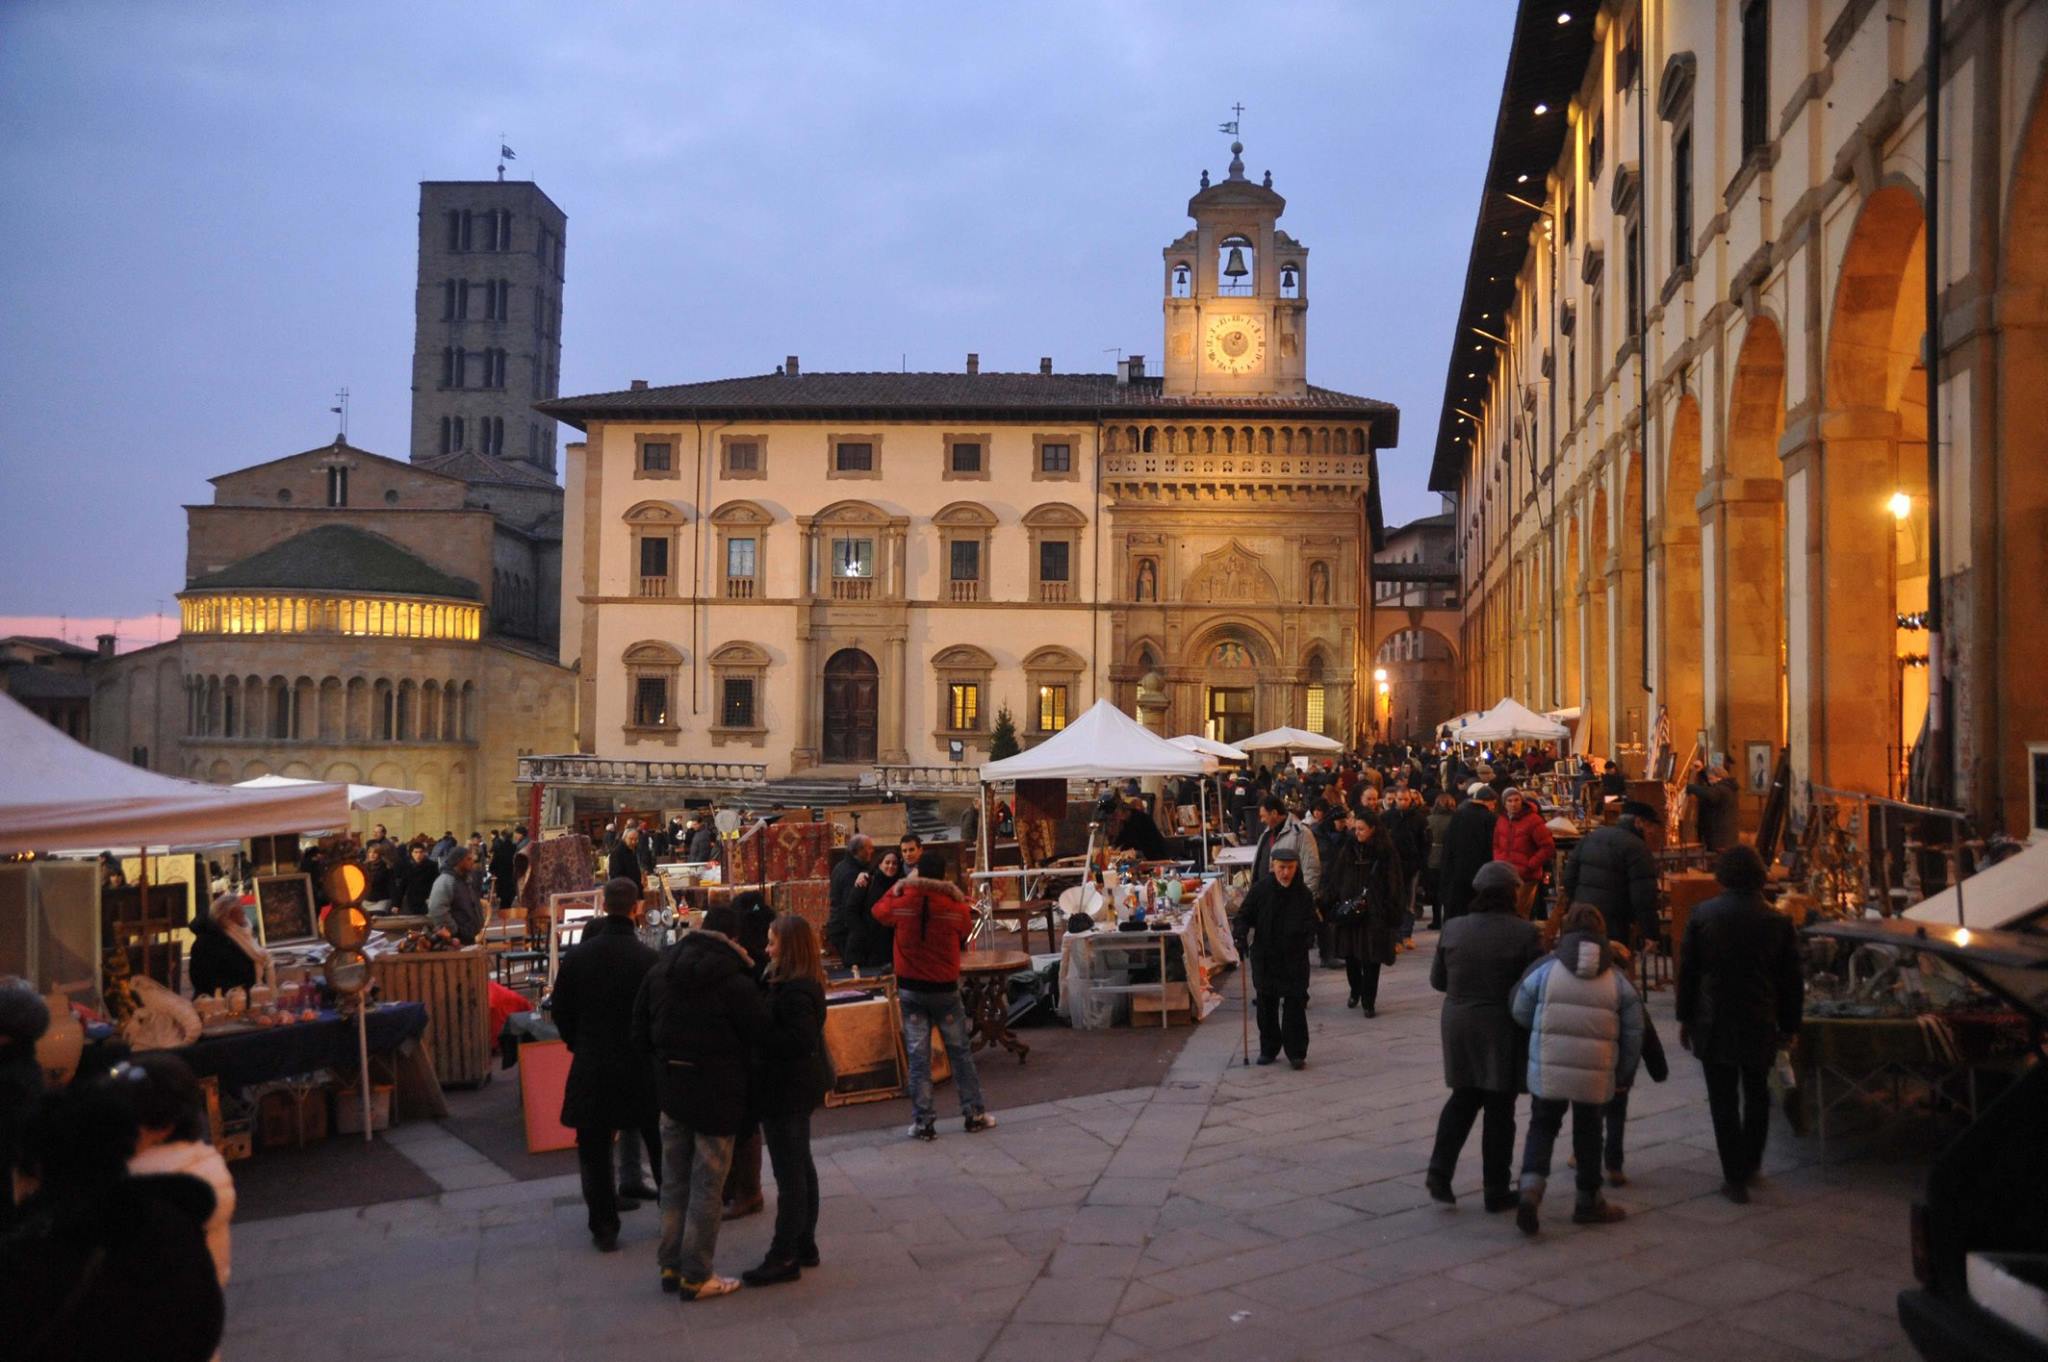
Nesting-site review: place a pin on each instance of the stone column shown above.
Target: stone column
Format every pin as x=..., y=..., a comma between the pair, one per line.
x=809, y=688
x=1742, y=557
x=890, y=720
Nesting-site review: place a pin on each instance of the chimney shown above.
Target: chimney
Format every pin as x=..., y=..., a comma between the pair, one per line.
x=973, y=362
x=789, y=366
x=1045, y=365
x=638, y=385
x=106, y=644
x=1137, y=366
x=1123, y=373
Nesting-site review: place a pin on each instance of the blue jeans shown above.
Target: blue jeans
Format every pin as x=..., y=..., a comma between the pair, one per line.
x=922, y=1014
x=692, y=1197
x=788, y=1139
x=1546, y=1119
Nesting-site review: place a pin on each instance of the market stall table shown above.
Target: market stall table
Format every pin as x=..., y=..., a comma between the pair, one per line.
x=1202, y=936
x=1854, y=1059
x=245, y=1059
x=985, y=988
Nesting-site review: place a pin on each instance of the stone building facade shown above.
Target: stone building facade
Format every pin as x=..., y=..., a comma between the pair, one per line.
x=1415, y=586
x=1750, y=548
x=340, y=622
x=844, y=570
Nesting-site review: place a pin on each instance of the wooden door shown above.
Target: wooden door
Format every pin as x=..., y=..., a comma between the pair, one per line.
x=852, y=701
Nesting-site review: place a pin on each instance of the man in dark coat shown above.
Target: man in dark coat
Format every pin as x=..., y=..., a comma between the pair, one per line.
x=1276, y=925
x=1612, y=869
x=611, y=1086
x=703, y=842
x=848, y=888
x=1478, y=960
x=418, y=876
x=1468, y=844
x=1713, y=790
x=504, y=879
x=700, y=1014
x=1740, y=994
x=624, y=861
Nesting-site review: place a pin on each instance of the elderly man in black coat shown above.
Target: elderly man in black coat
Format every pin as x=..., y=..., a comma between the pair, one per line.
x=1713, y=790
x=1479, y=959
x=1468, y=844
x=847, y=895
x=1276, y=926
x=1741, y=993
x=611, y=1085
x=1612, y=869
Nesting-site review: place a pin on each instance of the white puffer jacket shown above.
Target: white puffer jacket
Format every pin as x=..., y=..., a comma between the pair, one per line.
x=1585, y=1022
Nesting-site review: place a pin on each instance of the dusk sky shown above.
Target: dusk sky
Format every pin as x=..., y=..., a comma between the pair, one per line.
x=210, y=215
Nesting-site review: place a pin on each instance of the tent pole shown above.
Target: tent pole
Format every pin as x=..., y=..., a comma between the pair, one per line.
x=363, y=1059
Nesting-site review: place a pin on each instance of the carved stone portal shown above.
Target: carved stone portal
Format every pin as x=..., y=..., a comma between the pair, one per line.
x=1232, y=574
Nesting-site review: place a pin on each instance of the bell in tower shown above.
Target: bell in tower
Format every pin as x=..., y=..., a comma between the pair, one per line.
x=1234, y=267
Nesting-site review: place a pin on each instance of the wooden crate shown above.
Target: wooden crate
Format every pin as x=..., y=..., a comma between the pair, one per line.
x=291, y=1118
x=454, y=986
x=1145, y=1007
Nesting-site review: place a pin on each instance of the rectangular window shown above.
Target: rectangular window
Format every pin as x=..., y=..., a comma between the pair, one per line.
x=1055, y=458
x=461, y=435
x=966, y=457
x=1634, y=255
x=740, y=558
x=963, y=704
x=736, y=702
x=1756, y=75
x=1314, y=709
x=742, y=457
x=656, y=456
x=650, y=702
x=337, y=486
x=1681, y=197
x=965, y=561
x=1595, y=147
x=1052, y=560
x=849, y=457
x=853, y=558
x=462, y=300
x=654, y=557
x=448, y=300
x=1052, y=708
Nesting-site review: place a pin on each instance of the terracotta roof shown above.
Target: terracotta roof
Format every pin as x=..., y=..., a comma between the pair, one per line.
x=338, y=558
x=27, y=681
x=1016, y=396
x=473, y=467
x=54, y=645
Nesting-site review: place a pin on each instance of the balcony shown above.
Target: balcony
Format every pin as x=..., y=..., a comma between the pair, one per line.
x=739, y=588
x=585, y=771
x=963, y=591
x=929, y=779
x=1054, y=593
x=657, y=588
x=853, y=588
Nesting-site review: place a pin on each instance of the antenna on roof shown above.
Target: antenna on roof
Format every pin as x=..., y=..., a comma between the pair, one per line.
x=1116, y=350
x=341, y=410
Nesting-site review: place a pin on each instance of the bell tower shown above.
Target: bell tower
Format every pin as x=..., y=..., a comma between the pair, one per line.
x=1236, y=295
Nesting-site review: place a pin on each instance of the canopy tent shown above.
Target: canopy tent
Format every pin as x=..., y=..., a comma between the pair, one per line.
x=1209, y=747
x=1573, y=719
x=1511, y=721
x=1450, y=727
x=57, y=794
x=1103, y=744
x=2001, y=895
x=359, y=796
x=1290, y=740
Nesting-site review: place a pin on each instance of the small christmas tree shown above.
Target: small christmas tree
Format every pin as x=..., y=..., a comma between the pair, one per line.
x=1002, y=740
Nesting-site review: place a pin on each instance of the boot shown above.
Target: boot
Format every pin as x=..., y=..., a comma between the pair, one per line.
x=1527, y=1219
x=1597, y=1212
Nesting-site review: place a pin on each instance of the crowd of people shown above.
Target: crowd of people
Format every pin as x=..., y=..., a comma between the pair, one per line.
x=1349, y=853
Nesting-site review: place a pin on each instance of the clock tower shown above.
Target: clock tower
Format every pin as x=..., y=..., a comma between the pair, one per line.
x=1236, y=295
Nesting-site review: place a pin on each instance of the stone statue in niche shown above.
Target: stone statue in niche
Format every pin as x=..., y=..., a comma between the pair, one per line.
x=1319, y=583
x=1147, y=588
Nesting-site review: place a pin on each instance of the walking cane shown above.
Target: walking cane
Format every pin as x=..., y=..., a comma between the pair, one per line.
x=1244, y=993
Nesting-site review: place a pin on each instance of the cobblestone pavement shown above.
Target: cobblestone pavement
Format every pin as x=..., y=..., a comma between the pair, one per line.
x=1230, y=1212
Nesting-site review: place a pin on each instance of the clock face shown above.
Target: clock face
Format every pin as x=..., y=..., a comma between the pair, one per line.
x=1236, y=345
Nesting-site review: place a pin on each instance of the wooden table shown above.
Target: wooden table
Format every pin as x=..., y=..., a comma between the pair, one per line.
x=985, y=989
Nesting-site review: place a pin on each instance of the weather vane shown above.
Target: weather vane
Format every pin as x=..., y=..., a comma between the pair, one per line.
x=1230, y=129
x=505, y=153
x=341, y=410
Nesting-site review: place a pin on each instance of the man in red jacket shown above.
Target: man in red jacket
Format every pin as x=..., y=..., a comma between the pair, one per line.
x=932, y=920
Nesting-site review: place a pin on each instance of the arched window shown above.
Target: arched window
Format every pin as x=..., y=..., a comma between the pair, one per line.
x=1053, y=676
x=742, y=528
x=739, y=676
x=1182, y=283
x=962, y=676
x=1290, y=279
x=653, y=527
x=651, y=695
x=1237, y=267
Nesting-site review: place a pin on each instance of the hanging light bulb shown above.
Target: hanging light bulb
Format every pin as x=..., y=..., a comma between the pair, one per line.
x=1234, y=267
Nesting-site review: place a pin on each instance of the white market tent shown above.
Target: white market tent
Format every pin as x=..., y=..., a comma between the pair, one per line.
x=57, y=794
x=359, y=796
x=1103, y=744
x=1511, y=721
x=1996, y=896
x=1450, y=727
x=1209, y=747
x=1290, y=740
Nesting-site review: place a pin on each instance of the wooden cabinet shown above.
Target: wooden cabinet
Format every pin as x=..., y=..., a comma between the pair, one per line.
x=454, y=985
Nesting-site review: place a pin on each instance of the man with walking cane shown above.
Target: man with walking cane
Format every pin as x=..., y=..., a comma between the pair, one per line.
x=1276, y=927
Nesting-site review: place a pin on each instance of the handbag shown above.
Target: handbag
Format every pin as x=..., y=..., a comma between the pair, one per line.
x=1351, y=913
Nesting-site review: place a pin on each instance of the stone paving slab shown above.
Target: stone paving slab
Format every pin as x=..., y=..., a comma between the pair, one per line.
x=1227, y=1212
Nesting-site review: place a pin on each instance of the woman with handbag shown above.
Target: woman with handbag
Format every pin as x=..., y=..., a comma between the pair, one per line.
x=1362, y=895
x=794, y=1073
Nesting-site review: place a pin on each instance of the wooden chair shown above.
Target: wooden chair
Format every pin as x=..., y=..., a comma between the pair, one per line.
x=1017, y=917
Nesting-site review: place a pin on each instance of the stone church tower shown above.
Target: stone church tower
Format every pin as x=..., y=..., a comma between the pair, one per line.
x=1236, y=295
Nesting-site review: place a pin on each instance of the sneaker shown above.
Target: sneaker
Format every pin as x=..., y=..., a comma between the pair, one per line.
x=1525, y=1216
x=671, y=1281
x=1616, y=1178
x=979, y=1122
x=710, y=1286
x=772, y=1272
x=924, y=1130
x=1599, y=1213
x=1439, y=1189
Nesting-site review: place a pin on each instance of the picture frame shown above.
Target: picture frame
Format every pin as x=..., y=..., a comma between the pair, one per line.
x=285, y=912
x=1756, y=766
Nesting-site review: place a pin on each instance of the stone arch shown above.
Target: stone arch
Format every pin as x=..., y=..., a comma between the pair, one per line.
x=1680, y=668
x=357, y=710
x=297, y=770
x=967, y=514
x=342, y=773
x=1634, y=646
x=1052, y=657
x=1258, y=642
x=1863, y=707
x=1750, y=549
x=964, y=657
x=406, y=721
x=1599, y=735
x=253, y=770
x=220, y=773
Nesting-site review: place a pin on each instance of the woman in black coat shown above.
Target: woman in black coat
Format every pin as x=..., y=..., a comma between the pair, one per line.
x=610, y=1086
x=1362, y=892
x=789, y=1085
x=871, y=945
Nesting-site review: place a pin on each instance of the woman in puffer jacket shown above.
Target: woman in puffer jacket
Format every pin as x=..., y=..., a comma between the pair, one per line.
x=1585, y=1026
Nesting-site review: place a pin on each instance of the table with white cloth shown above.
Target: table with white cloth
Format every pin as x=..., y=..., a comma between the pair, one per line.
x=1095, y=966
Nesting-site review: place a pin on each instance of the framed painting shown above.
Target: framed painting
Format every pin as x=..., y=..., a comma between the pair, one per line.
x=285, y=914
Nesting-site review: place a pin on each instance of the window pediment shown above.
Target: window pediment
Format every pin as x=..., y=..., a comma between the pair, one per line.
x=652, y=653
x=964, y=657
x=966, y=513
x=740, y=654
x=853, y=513
x=1054, y=515
x=1053, y=658
x=656, y=513
x=741, y=513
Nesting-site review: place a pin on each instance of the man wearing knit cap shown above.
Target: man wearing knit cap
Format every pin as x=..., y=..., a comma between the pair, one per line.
x=1276, y=926
x=1468, y=844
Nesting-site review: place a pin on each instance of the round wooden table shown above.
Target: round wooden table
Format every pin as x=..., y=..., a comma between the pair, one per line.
x=985, y=990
